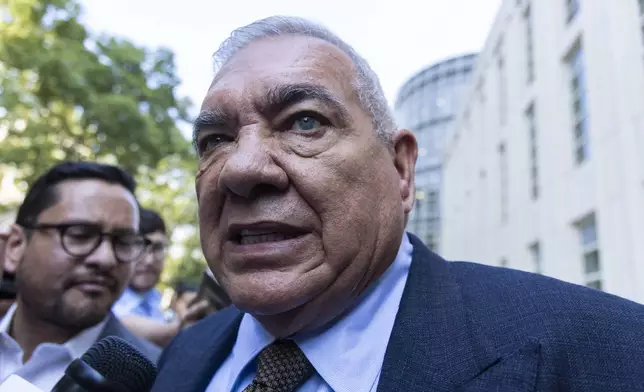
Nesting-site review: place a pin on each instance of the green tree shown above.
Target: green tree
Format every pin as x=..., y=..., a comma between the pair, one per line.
x=67, y=94
x=169, y=189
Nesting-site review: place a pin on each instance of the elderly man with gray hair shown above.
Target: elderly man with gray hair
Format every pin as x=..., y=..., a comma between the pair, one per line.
x=304, y=188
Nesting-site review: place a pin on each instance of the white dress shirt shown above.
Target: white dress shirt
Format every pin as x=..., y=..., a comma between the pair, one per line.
x=48, y=361
x=347, y=356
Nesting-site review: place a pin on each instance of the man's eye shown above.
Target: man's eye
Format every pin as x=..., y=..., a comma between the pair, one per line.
x=210, y=142
x=307, y=122
x=81, y=232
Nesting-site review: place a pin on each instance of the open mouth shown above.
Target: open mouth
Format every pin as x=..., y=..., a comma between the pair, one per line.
x=262, y=234
x=252, y=239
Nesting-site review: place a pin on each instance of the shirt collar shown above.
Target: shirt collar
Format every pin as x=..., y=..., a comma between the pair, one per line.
x=79, y=344
x=149, y=296
x=152, y=296
x=130, y=300
x=76, y=346
x=349, y=354
x=5, y=324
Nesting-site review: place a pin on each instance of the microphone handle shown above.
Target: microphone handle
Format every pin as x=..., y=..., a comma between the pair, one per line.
x=81, y=377
x=68, y=384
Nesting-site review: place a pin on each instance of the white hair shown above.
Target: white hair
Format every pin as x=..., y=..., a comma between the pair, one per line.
x=366, y=83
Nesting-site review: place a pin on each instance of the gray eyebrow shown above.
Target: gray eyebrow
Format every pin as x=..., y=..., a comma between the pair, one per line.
x=282, y=96
x=210, y=118
x=276, y=99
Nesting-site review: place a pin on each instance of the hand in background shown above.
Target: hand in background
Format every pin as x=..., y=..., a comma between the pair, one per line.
x=197, y=309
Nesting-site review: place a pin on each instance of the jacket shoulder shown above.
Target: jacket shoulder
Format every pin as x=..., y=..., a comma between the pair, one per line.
x=523, y=299
x=199, y=336
x=210, y=327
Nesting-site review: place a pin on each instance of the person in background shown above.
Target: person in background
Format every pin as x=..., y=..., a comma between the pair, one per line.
x=139, y=308
x=3, y=242
x=5, y=303
x=141, y=296
x=72, y=249
x=304, y=187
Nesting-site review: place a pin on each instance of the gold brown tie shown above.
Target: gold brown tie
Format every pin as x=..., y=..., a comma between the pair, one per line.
x=281, y=367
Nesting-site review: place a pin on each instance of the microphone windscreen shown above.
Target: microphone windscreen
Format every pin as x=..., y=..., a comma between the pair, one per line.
x=122, y=364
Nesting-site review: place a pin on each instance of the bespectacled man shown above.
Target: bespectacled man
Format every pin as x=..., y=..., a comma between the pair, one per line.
x=139, y=308
x=73, y=249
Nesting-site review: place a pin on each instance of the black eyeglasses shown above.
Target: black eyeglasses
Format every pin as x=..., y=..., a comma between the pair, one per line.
x=157, y=249
x=81, y=239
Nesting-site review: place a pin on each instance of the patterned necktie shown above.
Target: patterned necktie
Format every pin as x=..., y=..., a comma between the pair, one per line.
x=282, y=367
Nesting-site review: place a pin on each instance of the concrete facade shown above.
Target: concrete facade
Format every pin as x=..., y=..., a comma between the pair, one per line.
x=427, y=105
x=545, y=172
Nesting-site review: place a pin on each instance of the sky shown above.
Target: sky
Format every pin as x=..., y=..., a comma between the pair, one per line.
x=397, y=37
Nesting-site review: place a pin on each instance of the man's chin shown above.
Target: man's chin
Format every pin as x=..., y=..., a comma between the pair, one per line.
x=267, y=302
x=274, y=294
x=82, y=304
x=80, y=318
x=265, y=308
x=143, y=282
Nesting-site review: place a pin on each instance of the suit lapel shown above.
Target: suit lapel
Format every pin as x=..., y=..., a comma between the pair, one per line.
x=210, y=343
x=112, y=328
x=433, y=345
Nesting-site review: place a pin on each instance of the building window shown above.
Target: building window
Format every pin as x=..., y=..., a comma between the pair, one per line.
x=503, y=171
x=424, y=221
x=535, y=253
x=641, y=3
x=529, y=43
x=432, y=204
x=579, y=104
x=590, y=252
x=430, y=241
x=572, y=8
x=534, y=151
x=502, y=90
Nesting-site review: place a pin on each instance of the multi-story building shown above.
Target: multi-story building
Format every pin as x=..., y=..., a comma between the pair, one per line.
x=427, y=104
x=545, y=171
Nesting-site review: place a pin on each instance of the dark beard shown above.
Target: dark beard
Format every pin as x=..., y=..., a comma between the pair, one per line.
x=51, y=309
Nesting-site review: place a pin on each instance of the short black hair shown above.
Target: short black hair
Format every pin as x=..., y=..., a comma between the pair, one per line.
x=43, y=193
x=151, y=222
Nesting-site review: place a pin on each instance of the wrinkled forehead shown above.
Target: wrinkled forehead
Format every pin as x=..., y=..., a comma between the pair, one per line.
x=266, y=62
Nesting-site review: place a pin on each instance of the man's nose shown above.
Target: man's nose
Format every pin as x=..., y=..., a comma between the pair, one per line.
x=250, y=166
x=103, y=256
x=147, y=258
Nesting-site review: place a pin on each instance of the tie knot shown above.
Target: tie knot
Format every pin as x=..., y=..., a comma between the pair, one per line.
x=282, y=367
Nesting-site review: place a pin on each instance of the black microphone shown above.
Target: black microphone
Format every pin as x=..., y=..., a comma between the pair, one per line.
x=110, y=365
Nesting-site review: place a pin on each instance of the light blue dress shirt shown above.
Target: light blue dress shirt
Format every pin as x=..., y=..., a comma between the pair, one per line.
x=147, y=304
x=347, y=357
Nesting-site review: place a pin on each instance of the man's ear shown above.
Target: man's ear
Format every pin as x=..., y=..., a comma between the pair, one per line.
x=14, y=248
x=405, y=155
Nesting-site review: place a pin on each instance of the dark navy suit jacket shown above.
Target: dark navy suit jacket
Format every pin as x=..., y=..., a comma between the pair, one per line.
x=469, y=327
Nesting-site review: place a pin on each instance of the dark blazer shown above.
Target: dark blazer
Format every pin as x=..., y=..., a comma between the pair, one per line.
x=113, y=327
x=469, y=327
